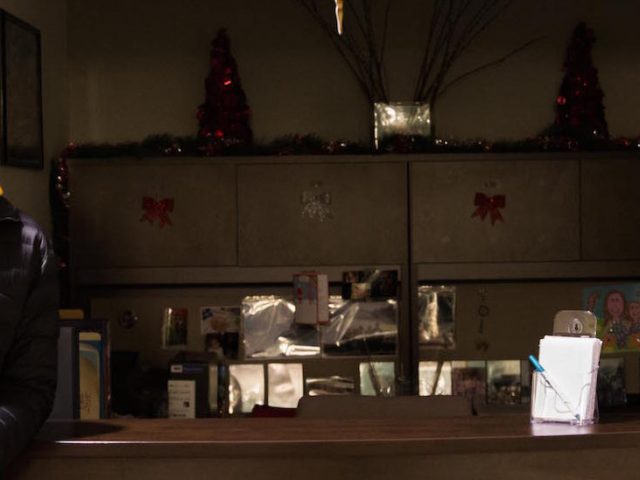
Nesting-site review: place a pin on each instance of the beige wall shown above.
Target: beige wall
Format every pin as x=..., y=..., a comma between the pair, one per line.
x=137, y=68
x=26, y=188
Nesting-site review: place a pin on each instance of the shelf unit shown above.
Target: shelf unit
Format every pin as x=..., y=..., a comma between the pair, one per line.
x=238, y=225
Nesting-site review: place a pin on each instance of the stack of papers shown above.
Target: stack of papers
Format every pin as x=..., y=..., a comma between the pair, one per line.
x=569, y=392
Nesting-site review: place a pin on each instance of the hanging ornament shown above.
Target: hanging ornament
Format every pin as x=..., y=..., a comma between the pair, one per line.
x=339, y=15
x=316, y=203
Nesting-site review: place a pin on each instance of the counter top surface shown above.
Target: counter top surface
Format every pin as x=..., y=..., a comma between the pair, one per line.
x=251, y=437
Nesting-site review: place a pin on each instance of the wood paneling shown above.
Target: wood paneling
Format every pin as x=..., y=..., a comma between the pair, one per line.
x=369, y=436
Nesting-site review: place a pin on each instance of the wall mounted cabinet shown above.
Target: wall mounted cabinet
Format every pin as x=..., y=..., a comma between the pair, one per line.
x=112, y=227
x=250, y=223
x=322, y=213
x=538, y=222
x=611, y=209
x=328, y=211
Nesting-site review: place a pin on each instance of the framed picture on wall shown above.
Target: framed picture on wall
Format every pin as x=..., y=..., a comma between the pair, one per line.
x=22, y=143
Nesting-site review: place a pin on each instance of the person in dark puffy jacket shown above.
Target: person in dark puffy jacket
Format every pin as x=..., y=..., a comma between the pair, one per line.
x=28, y=330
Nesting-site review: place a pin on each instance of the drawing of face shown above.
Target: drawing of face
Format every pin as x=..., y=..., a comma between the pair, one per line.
x=615, y=304
x=634, y=311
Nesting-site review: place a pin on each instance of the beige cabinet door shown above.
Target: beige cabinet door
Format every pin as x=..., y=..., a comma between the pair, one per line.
x=538, y=222
x=322, y=214
x=611, y=209
x=148, y=213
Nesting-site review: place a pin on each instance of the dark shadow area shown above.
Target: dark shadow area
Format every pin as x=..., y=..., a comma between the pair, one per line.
x=60, y=430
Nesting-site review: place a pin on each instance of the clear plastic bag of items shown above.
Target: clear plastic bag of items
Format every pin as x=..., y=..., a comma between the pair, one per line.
x=334, y=385
x=436, y=316
x=270, y=330
x=360, y=328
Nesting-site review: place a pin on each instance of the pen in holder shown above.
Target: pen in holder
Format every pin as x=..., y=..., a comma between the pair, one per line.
x=563, y=386
x=550, y=404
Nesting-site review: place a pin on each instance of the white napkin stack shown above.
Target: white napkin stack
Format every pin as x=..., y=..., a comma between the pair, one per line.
x=572, y=364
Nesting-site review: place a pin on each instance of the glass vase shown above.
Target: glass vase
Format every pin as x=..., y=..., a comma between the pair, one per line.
x=401, y=126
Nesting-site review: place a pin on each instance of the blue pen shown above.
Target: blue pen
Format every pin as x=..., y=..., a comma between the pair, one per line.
x=552, y=384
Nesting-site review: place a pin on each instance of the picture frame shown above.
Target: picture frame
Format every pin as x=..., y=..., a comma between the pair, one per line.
x=22, y=134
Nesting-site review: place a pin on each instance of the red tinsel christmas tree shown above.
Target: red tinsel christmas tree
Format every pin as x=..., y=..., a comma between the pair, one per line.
x=224, y=116
x=579, y=108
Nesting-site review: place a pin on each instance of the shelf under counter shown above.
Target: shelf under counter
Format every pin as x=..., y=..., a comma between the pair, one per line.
x=500, y=446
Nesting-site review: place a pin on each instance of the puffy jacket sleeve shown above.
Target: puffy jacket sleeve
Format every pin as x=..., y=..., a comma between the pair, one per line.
x=28, y=378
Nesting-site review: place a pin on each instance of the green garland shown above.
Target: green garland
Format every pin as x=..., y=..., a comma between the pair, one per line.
x=190, y=146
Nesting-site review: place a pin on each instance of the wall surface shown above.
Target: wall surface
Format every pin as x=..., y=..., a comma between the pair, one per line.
x=29, y=189
x=137, y=68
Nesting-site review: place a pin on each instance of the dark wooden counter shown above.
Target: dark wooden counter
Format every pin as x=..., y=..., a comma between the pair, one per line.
x=504, y=446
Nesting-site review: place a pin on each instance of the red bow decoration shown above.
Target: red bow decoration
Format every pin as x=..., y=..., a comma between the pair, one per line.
x=157, y=210
x=491, y=205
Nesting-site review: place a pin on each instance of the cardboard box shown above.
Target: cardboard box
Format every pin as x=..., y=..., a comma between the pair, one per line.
x=311, y=298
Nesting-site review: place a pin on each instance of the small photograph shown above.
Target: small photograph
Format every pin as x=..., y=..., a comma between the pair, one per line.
x=348, y=279
x=434, y=378
x=174, y=328
x=377, y=379
x=371, y=284
x=504, y=382
x=360, y=291
x=468, y=379
x=246, y=387
x=286, y=385
x=221, y=329
x=618, y=310
x=220, y=319
x=384, y=283
x=436, y=316
x=611, y=387
x=225, y=345
x=334, y=385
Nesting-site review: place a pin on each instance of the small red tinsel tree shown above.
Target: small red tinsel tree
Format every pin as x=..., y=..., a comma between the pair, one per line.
x=579, y=107
x=224, y=116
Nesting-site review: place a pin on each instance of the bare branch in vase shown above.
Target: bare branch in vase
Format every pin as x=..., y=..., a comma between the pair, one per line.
x=357, y=45
x=453, y=27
